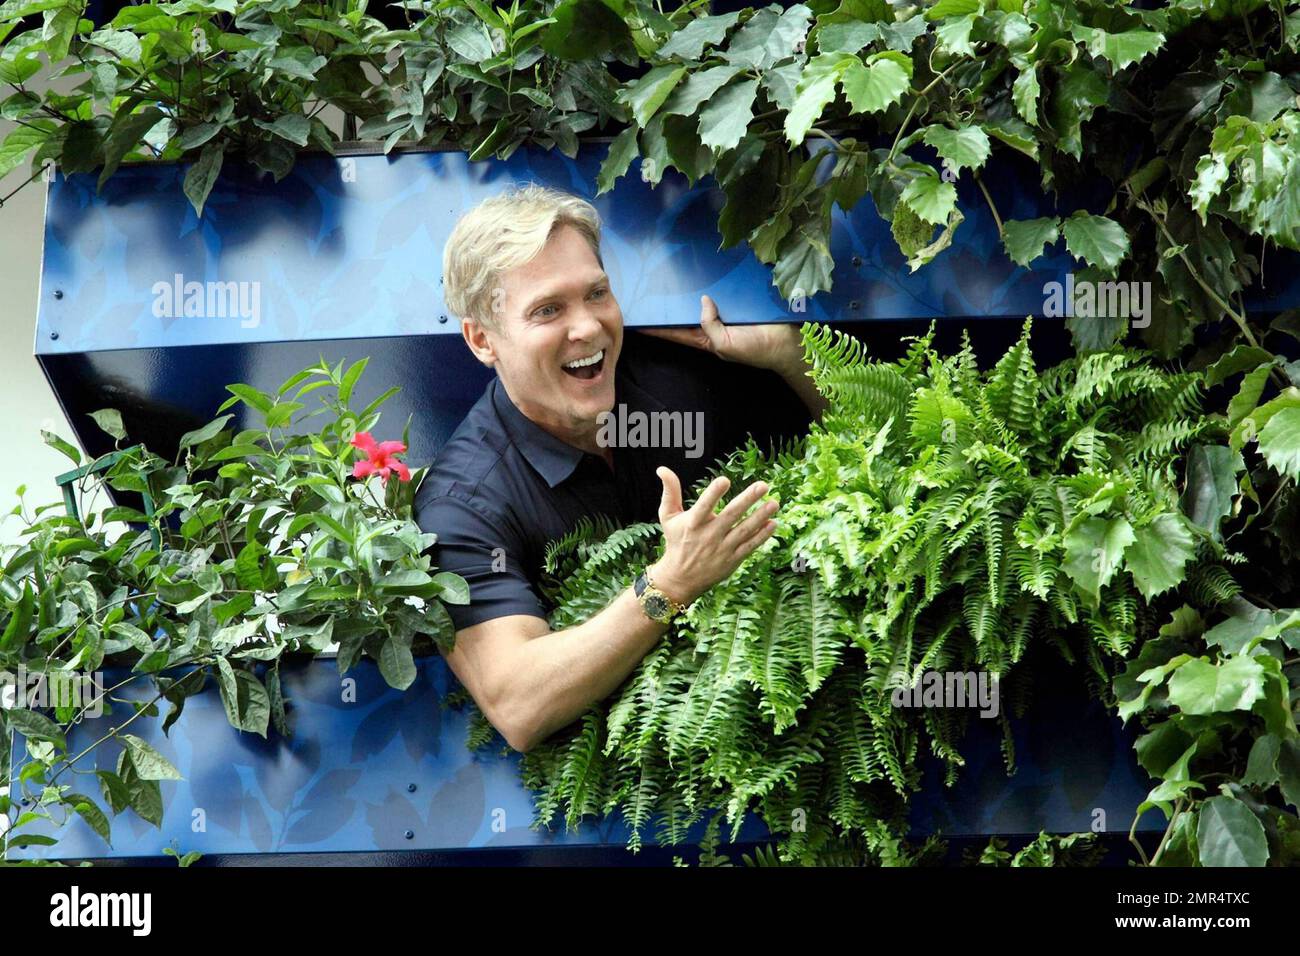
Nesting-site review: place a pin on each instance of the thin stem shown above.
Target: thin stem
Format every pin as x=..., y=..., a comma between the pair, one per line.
x=1178, y=808
x=1205, y=287
x=1132, y=838
x=912, y=110
x=989, y=199
x=113, y=732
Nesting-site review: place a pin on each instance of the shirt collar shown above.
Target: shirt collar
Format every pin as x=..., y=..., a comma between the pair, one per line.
x=553, y=459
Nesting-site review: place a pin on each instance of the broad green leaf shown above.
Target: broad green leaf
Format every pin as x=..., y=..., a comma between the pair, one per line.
x=1211, y=485
x=249, y=396
x=470, y=39
x=1261, y=765
x=35, y=726
x=804, y=264
x=1026, y=238
x=60, y=28
x=1094, y=551
x=768, y=37
x=877, y=85
x=1247, y=429
x=202, y=175
x=56, y=442
x=1097, y=240
x=816, y=89
x=1120, y=49
x=1074, y=99
x=1229, y=834
x=124, y=135
x=930, y=198
x=145, y=798
x=1159, y=553
x=89, y=811
x=964, y=148
x=110, y=421
x=294, y=127
x=1248, y=395
x=952, y=8
x=1279, y=442
x=454, y=588
x=1242, y=358
x=724, y=121
x=1199, y=687
x=621, y=153
x=1024, y=91
x=149, y=763
x=20, y=142
x=123, y=43
x=200, y=435
x=647, y=94
x=689, y=42
x=941, y=242
x=397, y=664
x=954, y=36
x=849, y=36
x=698, y=88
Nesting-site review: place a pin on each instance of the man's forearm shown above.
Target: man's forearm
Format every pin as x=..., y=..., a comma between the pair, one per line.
x=562, y=673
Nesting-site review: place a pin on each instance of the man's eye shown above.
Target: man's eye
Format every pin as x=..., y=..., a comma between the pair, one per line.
x=599, y=293
x=546, y=312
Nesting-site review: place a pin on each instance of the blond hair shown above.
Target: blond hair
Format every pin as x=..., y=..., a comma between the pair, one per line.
x=501, y=233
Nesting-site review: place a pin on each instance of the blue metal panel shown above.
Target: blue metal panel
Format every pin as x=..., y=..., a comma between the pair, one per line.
x=367, y=765
x=351, y=247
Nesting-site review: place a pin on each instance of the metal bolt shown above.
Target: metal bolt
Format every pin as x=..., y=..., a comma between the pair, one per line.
x=410, y=834
x=410, y=788
x=853, y=306
x=857, y=262
x=442, y=318
x=58, y=293
x=54, y=335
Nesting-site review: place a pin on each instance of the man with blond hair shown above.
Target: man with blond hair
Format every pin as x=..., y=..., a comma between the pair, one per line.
x=524, y=274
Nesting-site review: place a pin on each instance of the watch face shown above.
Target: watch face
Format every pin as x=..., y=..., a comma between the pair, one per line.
x=656, y=605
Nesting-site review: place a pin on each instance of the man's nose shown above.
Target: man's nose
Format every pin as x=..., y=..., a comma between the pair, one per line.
x=586, y=324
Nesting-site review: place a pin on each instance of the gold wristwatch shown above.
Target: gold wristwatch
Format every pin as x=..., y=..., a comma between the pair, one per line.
x=656, y=605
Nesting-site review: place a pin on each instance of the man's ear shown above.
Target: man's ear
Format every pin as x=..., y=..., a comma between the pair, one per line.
x=476, y=338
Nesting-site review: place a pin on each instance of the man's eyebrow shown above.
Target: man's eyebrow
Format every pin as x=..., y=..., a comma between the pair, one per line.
x=537, y=300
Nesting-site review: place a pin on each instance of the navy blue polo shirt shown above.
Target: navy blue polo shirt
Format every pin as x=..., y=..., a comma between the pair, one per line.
x=502, y=487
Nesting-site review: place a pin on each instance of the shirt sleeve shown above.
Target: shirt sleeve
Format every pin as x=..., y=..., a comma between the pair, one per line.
x=490, y=560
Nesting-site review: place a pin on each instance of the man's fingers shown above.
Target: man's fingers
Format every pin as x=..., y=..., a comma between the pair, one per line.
x=738, y=505
x=755, y=541
x=715, y=331
x=751, y=525
x=692, y=337
x=712, y=495
x=670, y=503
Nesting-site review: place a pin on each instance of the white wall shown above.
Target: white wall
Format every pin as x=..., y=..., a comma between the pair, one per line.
x=26, y=402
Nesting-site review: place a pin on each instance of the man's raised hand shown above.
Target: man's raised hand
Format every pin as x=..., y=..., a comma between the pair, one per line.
x=702, y=547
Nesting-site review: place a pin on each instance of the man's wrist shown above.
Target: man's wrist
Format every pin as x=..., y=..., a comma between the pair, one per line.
x=670, y=587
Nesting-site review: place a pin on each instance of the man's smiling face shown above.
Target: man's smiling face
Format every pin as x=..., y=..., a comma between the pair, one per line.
x=558, y=338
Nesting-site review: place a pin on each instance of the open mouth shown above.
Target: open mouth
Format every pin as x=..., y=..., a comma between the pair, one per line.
x=586, y=368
